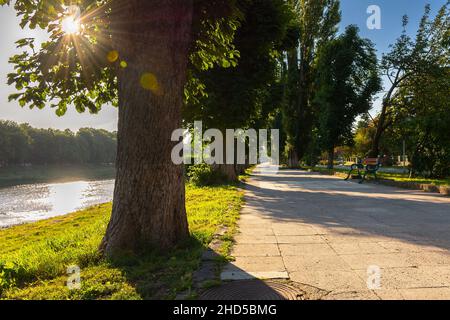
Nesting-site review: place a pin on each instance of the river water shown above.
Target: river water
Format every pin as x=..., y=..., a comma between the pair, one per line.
x=32, y=202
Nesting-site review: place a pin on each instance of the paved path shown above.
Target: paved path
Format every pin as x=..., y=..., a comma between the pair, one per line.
x=325, y=232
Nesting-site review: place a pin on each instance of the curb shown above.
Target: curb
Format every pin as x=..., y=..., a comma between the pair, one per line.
x=210, y=265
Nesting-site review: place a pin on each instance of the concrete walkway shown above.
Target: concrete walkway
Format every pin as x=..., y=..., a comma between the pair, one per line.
x=354, y=241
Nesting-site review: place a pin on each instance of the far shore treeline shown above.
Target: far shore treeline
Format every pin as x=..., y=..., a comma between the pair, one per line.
x=21, y=144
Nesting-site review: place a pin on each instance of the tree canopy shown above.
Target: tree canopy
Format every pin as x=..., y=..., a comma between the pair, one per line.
x=81, y=69
x=409, y=59
x=347, y=79
x=316, y=23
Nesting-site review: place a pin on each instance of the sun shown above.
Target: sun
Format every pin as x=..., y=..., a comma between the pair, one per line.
x=70, y=25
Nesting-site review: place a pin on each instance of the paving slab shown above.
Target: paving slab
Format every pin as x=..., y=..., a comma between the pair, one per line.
x=352, y=295
x=282, y=239
x=255, y=250
x=426, y=294
x=408, y=278
x=255, y=239
x=327, y=233
x=257, y=264
x=389, y=294
x=330, y=280
x=323, y=262
x=360, y=248
x=307, y=249
x=383, y=260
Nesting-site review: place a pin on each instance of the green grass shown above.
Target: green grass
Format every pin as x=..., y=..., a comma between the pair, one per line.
x=16, y=175
x=400, y=177
x=34, y=257
x=405, y=178
x=247, y=173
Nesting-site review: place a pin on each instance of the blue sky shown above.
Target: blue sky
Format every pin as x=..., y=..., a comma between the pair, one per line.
x=392, y=11
x=353, y=12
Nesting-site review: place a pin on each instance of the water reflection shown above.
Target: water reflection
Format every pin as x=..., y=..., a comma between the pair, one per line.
x=26, y=203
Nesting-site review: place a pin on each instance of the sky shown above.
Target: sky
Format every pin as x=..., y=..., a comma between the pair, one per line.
x=353, y=12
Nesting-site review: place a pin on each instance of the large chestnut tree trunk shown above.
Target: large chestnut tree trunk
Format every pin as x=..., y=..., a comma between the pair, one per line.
x=152, y=37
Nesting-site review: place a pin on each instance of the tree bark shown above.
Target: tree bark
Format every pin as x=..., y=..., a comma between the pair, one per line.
x=381, y=125
x=228, y=170
x=330, y=158
x=375, y=150
x=153, y=37
x=304, y=94
x=293, y=160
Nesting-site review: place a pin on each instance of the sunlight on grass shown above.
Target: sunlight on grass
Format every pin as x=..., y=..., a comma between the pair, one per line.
x=400, y=177
x=34, y=257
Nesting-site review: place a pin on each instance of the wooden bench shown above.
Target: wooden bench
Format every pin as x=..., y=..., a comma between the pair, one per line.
x=368, y=166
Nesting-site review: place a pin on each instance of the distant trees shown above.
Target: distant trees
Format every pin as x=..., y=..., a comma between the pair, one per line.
x=363, y=135
x=317, y=23
x=416, y=107
x=22, y=144
x=327, y=87
x=243, y=96
x=13, y=143
x=409, y=59
x=346, y=80
x=422, y=120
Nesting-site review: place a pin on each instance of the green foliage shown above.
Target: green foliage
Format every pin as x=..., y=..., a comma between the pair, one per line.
x=317, y=23
x=76, y=70
x=364, y=132
x=34, y=257
x=205, y=175
x=243, y=95
x=412, y=59
x=422, y=120
x=66, y=70
x=417, y=110
x=215, y=25
x=347, y=78
x=20, y=144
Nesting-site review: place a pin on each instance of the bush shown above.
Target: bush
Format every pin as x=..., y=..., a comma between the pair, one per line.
x=204, y=175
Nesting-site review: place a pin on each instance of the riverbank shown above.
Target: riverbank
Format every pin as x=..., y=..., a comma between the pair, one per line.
x=17, y=175
x=34, y=257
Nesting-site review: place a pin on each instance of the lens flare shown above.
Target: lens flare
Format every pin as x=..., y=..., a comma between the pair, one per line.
x=70, y=25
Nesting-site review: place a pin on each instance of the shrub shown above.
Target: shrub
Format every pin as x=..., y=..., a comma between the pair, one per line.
x=205, y=175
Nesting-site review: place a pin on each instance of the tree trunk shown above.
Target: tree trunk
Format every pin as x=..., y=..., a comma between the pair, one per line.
x=292, y=115
x=228, y=170
x=293, y=160
x=330, y=158
x=149, y=197
x=375, y=150
x=304, y=109
x=381, y=125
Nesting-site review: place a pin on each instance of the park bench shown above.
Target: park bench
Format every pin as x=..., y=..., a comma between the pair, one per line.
x=367, y=166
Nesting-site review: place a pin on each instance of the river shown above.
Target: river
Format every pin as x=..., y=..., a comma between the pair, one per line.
x=32, y=202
